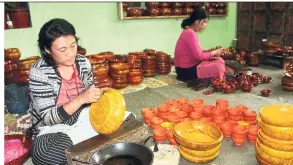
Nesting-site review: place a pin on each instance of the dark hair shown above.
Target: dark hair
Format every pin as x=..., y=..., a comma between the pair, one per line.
x=197, y=14
x=50, y=31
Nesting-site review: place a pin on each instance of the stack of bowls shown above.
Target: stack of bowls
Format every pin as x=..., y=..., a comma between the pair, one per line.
x=24, y=67
x=274, y=144
x=135, y=69
x=252, y=59
x=287, y=81
x=119, y=69
x=149, y=65
x=199, y=142
x=163, y=63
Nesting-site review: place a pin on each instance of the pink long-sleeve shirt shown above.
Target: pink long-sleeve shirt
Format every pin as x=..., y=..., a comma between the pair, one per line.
x=188, y=51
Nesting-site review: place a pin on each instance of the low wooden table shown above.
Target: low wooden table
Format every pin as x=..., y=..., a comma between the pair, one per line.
x=276, y=60
x=134, y=131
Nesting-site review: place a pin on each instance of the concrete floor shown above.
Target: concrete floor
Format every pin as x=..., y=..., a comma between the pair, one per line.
x=230, y=154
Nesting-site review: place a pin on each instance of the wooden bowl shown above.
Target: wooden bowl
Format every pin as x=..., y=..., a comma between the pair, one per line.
x=106, y=115
x=265, y=92
x=276, y=144
x=276, y=132
x=194, y=159
x=284, y=155
x=197, y=135
x=266, y=79
x=134, y=12
x=27, y=142
x=199, y=154
x=277, y=115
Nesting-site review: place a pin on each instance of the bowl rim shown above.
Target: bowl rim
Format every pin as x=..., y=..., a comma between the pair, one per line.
x=193, y=142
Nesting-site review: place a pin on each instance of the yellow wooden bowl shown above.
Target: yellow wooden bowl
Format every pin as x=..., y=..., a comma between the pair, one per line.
x=277, y=115
x=197, y=135
x=281, y=133
x=268, y=158
x=274, y=153
x=107, y=114
x=261, y=161
x=194, y=159
x=167, y=124
x=205, y=153
x=243, y=123
x=280, y=145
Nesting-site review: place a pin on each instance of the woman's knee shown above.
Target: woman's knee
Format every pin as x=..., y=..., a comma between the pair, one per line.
x=50, y=149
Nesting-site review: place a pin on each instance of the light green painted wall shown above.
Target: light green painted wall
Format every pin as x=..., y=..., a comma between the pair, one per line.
x=99, y=28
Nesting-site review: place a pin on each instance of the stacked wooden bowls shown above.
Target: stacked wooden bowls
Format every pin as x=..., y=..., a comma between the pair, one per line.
x=12, y=56
x=252, y=59
x=10, y=72
x=274, y=144
x=119, y=69
x=24, y=66
x=149, y=65
x=199, y=142
x=135, y=69
x=108, y=55
x=163, y=63
x=100, y=69
x=287, y=81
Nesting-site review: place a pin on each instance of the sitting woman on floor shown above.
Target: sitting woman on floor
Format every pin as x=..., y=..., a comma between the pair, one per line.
x=191, y=61
x=61, y=84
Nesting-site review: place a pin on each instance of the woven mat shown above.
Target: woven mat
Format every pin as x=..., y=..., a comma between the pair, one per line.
x=18, y=123
x=153, y=82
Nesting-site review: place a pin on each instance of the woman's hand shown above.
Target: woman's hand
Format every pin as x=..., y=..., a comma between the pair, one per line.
x=217, y=52
x=91, y=95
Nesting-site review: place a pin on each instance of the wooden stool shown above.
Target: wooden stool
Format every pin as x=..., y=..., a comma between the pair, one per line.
x=198, y=83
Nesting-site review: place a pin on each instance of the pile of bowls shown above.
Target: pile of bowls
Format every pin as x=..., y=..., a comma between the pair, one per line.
x=163, y=63
x=12, y=56
x=134, y=12
x=24, y=66
x=149, y=65
x=287, y=81
x=239, y=81
x=274, y=143
x=119, y=69
x=199, y=142
x=100, y=69
x=252, y=59
x=135, y=69
x=216, y=8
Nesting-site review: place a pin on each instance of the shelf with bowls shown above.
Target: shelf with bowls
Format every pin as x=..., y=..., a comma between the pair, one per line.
x=167, y=10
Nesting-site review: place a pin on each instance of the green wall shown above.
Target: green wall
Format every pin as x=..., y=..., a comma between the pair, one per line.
x=99, y=29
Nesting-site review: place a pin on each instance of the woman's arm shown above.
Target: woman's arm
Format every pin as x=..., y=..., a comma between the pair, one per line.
x=193, y=43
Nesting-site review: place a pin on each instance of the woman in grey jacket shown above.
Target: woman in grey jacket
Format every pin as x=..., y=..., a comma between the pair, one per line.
x=61, y=84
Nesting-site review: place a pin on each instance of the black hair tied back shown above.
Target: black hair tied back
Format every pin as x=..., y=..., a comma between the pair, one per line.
x=186, y=23
x=197, y=14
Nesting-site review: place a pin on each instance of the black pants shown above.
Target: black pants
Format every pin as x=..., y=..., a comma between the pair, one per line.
x=185, y=74
x=49, y=149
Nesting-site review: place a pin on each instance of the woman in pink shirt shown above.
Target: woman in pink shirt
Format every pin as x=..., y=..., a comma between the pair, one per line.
x=191, y=61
